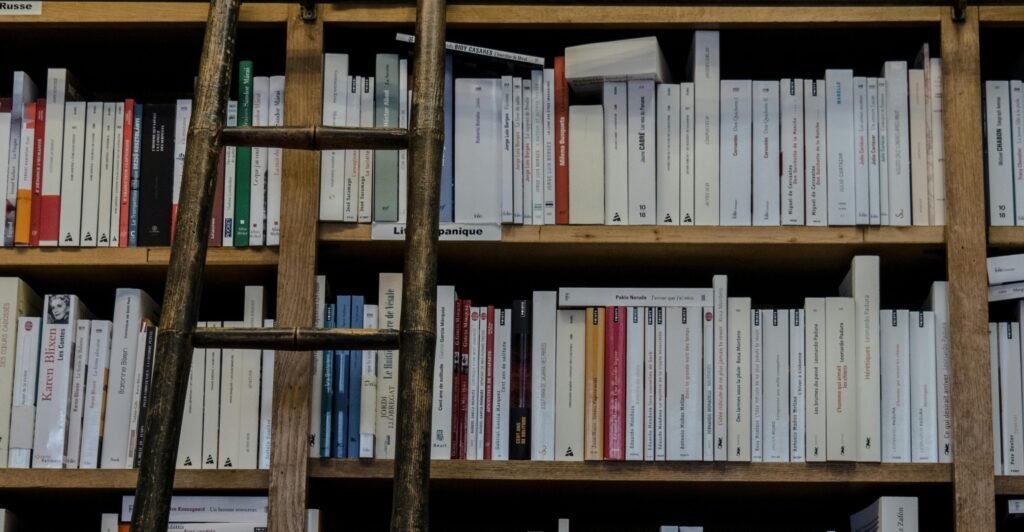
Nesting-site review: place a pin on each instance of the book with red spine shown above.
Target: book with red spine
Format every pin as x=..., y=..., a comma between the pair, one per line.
x=561, y=143
x=126, y=171
x=23, y=213
x=489, y=384
x=457, y=380
x=37, y=173
x=217, y=211
x=467, y=309
x=615, y=383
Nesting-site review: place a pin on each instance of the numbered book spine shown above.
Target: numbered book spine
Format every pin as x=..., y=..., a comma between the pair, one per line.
x=23, y=400
x=668, y=148
x=814, y=348
x=703, y=67
x=660, y=382
x=614, y=383
x=586, y=167
x=841, y=394
x=840, y=124
x=736, y=195
x=650, y=392
x=473, y=404
x=923, y=414
x=616, y=160
x=816, y=186
x=766, y=156
x=708, y=383
x=71, y=174
x=861, y=152
x=385, y=164
x=569, y=375
x=634, y=382
x=593, y=393
x=896, y=383
x=797, y=387
x=687, y=134
x=874, y=178
x=365, y=199
x=792, y=150
x=243, y=157
x=88, y=232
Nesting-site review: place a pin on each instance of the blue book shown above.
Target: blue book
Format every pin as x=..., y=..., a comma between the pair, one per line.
x=355, y=381
x=344, y=307
x=327, y=396
x=136, y=180
x=447, y=211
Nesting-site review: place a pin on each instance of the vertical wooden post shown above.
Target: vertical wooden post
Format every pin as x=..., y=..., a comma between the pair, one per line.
x=411, y=496
x=965, y=264
x=185, y=272
x=296, y=275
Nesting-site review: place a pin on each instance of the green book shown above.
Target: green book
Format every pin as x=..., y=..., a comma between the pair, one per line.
x=385, y=162
x=243, y=156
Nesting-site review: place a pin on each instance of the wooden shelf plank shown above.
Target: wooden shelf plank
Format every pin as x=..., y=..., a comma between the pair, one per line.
x=124, y=479
x=679, y=472
x=1009, y=485
x=223, y=256
x=579, y=16
x=905, y=235
x=997, y=14
x=128, y=257
x=1010, y=237
x=140, y=14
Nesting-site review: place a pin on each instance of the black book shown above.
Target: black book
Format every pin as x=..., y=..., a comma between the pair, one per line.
x=156, y=186
x=144, y=395
x=519, y=391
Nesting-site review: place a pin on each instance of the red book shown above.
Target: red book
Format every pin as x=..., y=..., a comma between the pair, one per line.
x=217, y=210
x=467, y=308
x=5, y=105
x=126, y=171
x=456, y=379
x=615, y=383
x=37, y=173
x=561, y=143
x=489, y=383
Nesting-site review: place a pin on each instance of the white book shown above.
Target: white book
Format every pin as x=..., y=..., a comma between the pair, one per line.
x=707, y=383
x=352, y=158
x=1004, y=292
x=862, y=284
x=542, y=370
x=923, y=415
x=775, y=376
x=275, y=164
x=650, y=391
x=569, y=374
x=364, y=182
x=840, y=364
x=229, y=180
x=266, y=402
x=756, y=387
x=1010, y=393
x=59, y=89
x=95, y=393
x=403, y=116
x=703, y=70
x=720, y=284
x=108, y=523
x=16, y=300
x=587, y=177
x=76, y=397
x=634, y=382
x=668, y=150
x=997, y=434
x=580, y=297
x=642, y=154
x=549, y=146
x=616, y=160
x=23, y=93
x=883, y=152
x=1005, y=269
x=517, y=152
x=190, y=439
x=333, y=200
x=389, y=317
x=639, y=58
x=887, y=514
x=53, y=393
x=874, y=202
x=938, y=148
x=502, y=382
x=316, y=379
x=919, y=113
x=209, y=509
x=816, y=184
x=736, y=194
x=537, y=146
x=507, y=159
x=477, y=156
x=183, y=115
x=896, y=383
x=792, y=150
x=131, y=308
x=814, y=347
x=258, y=182
x=684, y=437
x=71, y=174
x=766, y=157
x=660, y=383
x=528, y=170
x=898, y=139
x=938, y=302
x=23, y=400
x=840, y=160
x=115, y=185
x=687, y=133
x=10, y=199
x=441, y=405
x=368, y=391
x=861, y=152
x=797, y=387
x=250, y=384
x=91, y=174
x=738, y=367
x=107, y=166
x=211, y=406
x=230, y=429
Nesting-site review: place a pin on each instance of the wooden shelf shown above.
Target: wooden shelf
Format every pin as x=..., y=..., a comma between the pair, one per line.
x=1004, y=14
x=139, y=14
x=124, y=479
x=589, y=16
x=1009, y=485
x=647, y=472
x=128, y=257
x=1010, y=237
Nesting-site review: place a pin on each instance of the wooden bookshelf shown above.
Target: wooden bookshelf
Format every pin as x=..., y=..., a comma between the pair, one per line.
x=1006, y=237
x=138, y=14
x=124, y=480
x=1009, y=485
x=129, y=257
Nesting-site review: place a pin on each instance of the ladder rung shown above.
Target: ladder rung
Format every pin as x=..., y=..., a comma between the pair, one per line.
x=295, y=339
x=317, y=138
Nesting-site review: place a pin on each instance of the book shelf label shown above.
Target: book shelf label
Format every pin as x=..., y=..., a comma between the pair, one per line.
x=448, y=231
x=21, y=8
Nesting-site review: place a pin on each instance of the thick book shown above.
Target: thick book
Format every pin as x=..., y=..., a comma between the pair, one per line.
x=1010, y=389
x=76, y=401
x=587, y=172
x=23, y=216
x=335, y=199
x=703, y=69
x=208, y=509
x=840, y=134
x=243, y=157
x=258, y=176
x=862, y=284
x=502, y=384
x=542, y=372
x=23, y=93
x=17, y=300
x=919, y=158
x=385, y=164
x=684, y=342
x=815, y=183
x=937, y=143
x=615, y=383
x=519, y=392
x=765, y=153
x=38, y=159
x=720, y=286
x=441, y=405
x=569, y=374
x=739, y=351
x=593, y=391
x=668, y=148
x=641, y=153
x=389, y=317
x=60, y=88
x=23, y=400
x=275, y=163
x=190, y=439
x=616, y=154
x=896, y=383
x=182, y=117
x=938, y=302
x=588, y=65
x=736, y=116
x=477, y=150
x=841, y=394
x=887, y=514
x=997, y=434
x=230, y=169
x=157, y=181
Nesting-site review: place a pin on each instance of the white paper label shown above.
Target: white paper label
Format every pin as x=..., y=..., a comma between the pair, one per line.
x=21, y=8
x=448, y=231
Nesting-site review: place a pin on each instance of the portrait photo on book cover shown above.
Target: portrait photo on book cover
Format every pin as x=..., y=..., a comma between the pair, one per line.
x=60, y=306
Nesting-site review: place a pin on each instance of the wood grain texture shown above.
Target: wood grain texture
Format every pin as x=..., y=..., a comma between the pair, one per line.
x=1005, y=14
x=1008, y=237
x=300, y=193
x=295, y=338
x=223, y=256
x=124, y=479
x=317, y=137
x=1009, y=485
x=139, y=14
x=577, y=16
x=965, y=263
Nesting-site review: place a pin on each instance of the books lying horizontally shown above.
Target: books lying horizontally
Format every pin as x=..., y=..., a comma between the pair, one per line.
x=887, y=514
x=75, y=391
x=654, y=374
x=1005, y=277
x=208, y=514
x=603, y=136
x=108, y=174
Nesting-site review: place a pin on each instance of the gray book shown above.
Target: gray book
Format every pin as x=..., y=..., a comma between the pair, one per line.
x=385, y=162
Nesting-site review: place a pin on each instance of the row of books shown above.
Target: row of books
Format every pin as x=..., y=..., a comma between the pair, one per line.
x=75, y=390
x=1004, y=151
x=108, y=174
x=843, y=150
x=654, y=374
x=208, y=514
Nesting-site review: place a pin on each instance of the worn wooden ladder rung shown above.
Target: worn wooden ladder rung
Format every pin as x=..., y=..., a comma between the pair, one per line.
x=294, y=338
x=317, y=138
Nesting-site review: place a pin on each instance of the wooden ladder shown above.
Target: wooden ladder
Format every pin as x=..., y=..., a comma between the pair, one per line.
x=177, y=333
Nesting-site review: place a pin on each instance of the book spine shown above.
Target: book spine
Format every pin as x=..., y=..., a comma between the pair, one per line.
x=527, y=122
x=352, y=158
x=865, y=283
x=217, y=211
x=478, y=326
x=766, y=156
x=897, y=137
x=668, y=160
x=686, y=401
x=390, y=302
x=861, y=152
x=839, y=125
x=841, y=418
x=938, y=145
x=441, y=405
x=918, y=147
x=814, y=347
x=924, y=436
x=92, y=175
x=243, y=157
x=403, y=117
x=135, y=448
x=156, y=183
x=756, y=386
x=327, y=387
x=719, y=287
x=385, y=164
x=335, y=191
x=365, y=199
x=456, y=360
x=816, y=195
x=896, y=383
x=275, y=165
x=190, y=439
x=183, y=115
x=704, y=57
x=316, y=398
x=687, y=133
x=368, y=392
x=502, y=383
x=593, y=393
x=258, y=169
x=775, y=375
x=797, y=387
x=230, y=170
x=939, y=302
x=520, y=394
x=339, y=446
x=586, y=166
x=23, y=216
x=107, y=158
x=507, y=165
x=117, y=178
x=355, y=377
x=561, y=143
x=38, y=159
x=488, y=387
x=71, y=174
x=542, y=364
x=231, y=375
x=209, y=508
x=76, y=401
x=481, y=51
x=736, y=194
x=997, y=434
x=616, y=154
x=539, y=180
x=569, y=414
x=23, y=93
x=883, y=152
x=125, y=192
x=650, y=391
x=642, y=155
x=549, y=146
x=660, y=382
x=792, y=140
x=634, y=381
x=23, y=400
x=55, y=379
x=447, y=201
x=874, y=178
x=132, y=206
x=615, y=383
x=211, y=406
x=478, y=108
x=518, y=131
x=53, y=151
x=464, y=375
x=708, y=383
